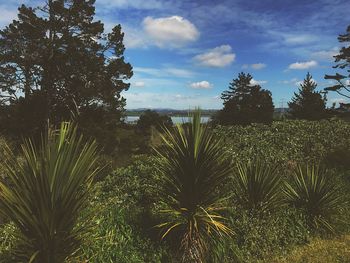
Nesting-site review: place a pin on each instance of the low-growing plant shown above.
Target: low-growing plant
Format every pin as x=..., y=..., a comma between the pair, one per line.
x=258, y=186
x=312, y=190
x=194, y=167
x=45, y=193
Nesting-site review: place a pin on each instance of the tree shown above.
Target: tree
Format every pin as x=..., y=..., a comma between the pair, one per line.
x=245, y=103
x=57, y=59
x=343, y=59
x=151, y=118
x=308, y=104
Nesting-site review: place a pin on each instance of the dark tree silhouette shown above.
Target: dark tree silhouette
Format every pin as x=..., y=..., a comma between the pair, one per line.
x=245, y=103
x=55, y=62
x=151, y=118
x=308, y=104
x=343, y=62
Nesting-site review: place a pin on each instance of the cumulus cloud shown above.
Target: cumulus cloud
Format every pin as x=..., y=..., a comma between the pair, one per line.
x=217, y=57
x=201, y=85
x=173, y=31
x=255, y=66
x=303, y=65
x=258, y=82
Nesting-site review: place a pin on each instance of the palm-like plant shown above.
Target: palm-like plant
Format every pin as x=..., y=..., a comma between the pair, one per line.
x=258, y=186
x=194, y=167
x=313, y=191
x=45, y=193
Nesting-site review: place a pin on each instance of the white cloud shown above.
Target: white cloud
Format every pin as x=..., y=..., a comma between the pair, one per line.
x=258, y=66
x=258, y=82
x=255, y=66
x=138, y=84
x=174, y=31
x=325, y=54
x=217, y=57
x=165, y=72
x=298, y=39
x=201, y=85
x=303, y=65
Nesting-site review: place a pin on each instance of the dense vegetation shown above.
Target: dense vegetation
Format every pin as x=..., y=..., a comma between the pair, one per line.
x=264, y=210
x=243, y=189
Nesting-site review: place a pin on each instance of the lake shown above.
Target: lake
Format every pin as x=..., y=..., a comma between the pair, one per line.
x=134, y=119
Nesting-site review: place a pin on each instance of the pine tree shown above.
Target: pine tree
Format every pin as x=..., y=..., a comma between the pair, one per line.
x=56, y=62
x=343, y=62
x=308, y=104
x=245, y=103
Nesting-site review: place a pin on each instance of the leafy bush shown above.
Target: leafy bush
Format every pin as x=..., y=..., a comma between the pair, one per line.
x=124, y=203
x=285, y=142
x=44, y=195
x=314, y=192
x=260, y=236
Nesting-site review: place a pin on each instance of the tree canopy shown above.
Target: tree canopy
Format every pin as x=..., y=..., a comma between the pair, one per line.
x=308, y=103
x=342, y=86
x=245, y=103
x=56, y=62
x=151, y=118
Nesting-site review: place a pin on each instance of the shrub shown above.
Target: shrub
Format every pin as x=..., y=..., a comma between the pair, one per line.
x=46, y=193
x=259, y=237
x=258, y=186
x=194, y=167
x=315, y=193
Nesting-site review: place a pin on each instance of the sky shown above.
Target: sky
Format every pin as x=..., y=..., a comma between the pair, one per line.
x=185, y=53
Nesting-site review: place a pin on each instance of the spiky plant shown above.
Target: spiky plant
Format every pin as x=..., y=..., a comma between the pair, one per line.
x=193, y=169
x=45, y=193
x=312, y=190
x=258, y=186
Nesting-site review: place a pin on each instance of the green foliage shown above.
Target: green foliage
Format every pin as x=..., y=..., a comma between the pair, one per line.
x=194, y=167
x=286, y=142
x=150, y=119
x=259, y=237
x=343, y=62
x=56, y=62
x=314, y=192
x=258, y=186
x=45, y=193
x=308, y=104
x=123, y=203
x=245, y=103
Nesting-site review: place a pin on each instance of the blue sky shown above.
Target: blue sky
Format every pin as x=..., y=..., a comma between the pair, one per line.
x=185, y=53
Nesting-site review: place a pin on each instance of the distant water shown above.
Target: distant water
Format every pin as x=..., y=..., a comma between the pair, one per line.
x=133, y=119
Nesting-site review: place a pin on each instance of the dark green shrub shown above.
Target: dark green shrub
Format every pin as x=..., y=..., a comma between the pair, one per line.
x=194, y=167
x=317, y=195
x=257, y=186
x=45, y=194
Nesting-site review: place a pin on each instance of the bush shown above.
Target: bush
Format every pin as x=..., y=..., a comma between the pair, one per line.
x=45, y=194
x=260, y=236
x=285, y=142
x=317, y=195
x=124, y=203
